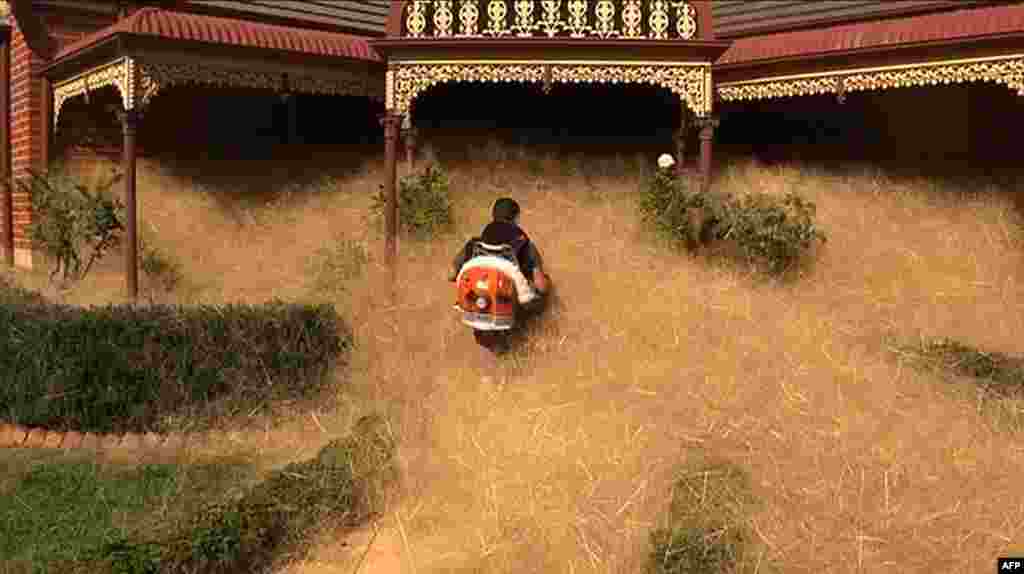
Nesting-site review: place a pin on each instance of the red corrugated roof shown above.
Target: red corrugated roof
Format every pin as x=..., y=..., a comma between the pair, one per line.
x=959, y=24
x=183, y=26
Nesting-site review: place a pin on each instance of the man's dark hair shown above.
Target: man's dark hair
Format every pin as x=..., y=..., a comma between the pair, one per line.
x=505, y=209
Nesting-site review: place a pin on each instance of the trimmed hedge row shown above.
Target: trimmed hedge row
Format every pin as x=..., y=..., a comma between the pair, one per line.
x=123, y=368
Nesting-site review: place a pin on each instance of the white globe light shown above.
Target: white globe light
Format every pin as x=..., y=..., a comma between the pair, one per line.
x=666, y=161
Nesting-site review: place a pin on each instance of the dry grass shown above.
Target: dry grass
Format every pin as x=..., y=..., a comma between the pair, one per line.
x=861, y=463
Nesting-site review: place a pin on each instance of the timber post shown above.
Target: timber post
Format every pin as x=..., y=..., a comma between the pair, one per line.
x=409, y=136
x=391, y=123
x=707, y=136
x=129, y=124
x=681, y=134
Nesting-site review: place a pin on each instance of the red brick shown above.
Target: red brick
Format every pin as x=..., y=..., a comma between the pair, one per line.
x=110, y=441
x=36, y=438
x=152, y=441
x=11, y=435
x=72, y=440
x=131, y=441
x=53, y=439
x=174, y=441
x=91, y=441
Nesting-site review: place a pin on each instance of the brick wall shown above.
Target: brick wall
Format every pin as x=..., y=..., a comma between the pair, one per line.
x=25, y=133
x=26, y=101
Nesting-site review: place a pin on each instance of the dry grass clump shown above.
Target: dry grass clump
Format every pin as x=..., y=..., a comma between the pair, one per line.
x=706, y=529
x=996, y=379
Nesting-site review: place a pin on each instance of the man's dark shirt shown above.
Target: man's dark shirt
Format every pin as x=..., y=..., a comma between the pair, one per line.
x=502, y=232
x=506, y=232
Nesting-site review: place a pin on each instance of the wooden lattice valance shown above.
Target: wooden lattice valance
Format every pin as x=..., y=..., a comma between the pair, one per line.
x=139, y=79
x=1006, y=70
x=691, y=82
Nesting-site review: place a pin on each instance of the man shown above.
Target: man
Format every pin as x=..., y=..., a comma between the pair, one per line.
x=505, y=230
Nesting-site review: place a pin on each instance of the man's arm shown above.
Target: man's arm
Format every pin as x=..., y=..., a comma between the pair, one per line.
x=533, y=258
x=540, y=278
x=460, y=260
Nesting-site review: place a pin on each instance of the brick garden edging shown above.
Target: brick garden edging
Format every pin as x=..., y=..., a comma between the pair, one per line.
x=16, y=436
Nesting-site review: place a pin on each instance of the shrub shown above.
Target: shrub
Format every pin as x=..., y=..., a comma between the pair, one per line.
x=424, y=205
x=157, y=265
x=705, y=531
x=769, y=230
x=335, y=264
x=70, y=220
x=775, y=231
x=667, y=202
x=126, y=367
x=999, y=374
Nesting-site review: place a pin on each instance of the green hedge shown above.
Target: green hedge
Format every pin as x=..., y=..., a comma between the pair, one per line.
x=124, y=367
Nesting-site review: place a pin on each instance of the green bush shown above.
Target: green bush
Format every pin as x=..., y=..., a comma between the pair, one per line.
x=997, y=373
x=775, y=231
x=424, y=204
x=769, y=230
x=335, y=264
x=71, y=222
x=706, y=530
x=127, y=367
x=160, y=267
x=666, y=202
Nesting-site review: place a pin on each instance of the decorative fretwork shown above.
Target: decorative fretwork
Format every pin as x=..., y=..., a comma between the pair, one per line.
x=577, y=24
x=604, y=13
x=632, y=16
x=117, y=73
x=688, y=81
x=138, y=80
x=443, y=19
x=691, y=82
x=337, y=84
x=524, y=18
x=496, y=23
x=653, y=19
x=552, y=22
x=469, y=17
x=658, y=20
x=686, y=20
x=417, y=20
x=168, y=74
x=1006, y=70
